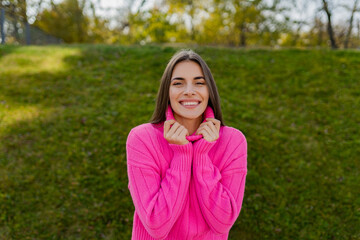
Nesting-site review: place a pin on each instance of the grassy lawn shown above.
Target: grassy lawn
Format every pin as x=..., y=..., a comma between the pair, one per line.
x=65, y=112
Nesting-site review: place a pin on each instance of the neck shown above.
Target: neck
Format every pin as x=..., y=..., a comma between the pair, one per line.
x=190, y=124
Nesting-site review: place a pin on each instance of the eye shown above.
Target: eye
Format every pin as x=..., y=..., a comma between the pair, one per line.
x=201, y=83
x=177, y=83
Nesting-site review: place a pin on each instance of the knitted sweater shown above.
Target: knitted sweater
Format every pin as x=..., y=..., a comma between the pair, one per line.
x=191, y=191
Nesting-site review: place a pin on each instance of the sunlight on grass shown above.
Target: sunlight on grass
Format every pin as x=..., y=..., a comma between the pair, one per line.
x=24, y=59
x=10, y=116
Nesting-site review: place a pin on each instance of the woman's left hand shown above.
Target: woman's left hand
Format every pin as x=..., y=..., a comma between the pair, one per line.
x=209, y=129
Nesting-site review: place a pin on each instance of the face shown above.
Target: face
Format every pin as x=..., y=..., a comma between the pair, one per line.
x=189, y=94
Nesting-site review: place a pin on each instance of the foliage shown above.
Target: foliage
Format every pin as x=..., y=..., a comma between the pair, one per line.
x=206, y=22
x=65, y=112
x=67, y=20
x=151, y=26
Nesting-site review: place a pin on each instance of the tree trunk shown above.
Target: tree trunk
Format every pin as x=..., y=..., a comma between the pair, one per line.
x=23, y=9
x=358, y=28
x=320, y=31
x=243, y=35
x=329, y=25
x=347, y=39
x=192, y=13
x=297, y=35
x=15, y=22
x=2, y=20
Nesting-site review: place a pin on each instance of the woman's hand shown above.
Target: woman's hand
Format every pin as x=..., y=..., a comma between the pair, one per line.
x=175, y=134
x=209, y=129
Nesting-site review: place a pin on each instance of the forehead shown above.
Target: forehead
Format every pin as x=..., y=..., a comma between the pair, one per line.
x=187, y=68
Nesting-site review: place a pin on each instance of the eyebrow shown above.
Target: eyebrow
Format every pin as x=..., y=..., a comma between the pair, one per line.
x=180, y=78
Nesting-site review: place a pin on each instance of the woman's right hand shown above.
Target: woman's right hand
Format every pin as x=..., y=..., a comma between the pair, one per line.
x=175, y=134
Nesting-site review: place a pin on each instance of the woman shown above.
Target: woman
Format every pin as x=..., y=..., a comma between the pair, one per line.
x=186, y=168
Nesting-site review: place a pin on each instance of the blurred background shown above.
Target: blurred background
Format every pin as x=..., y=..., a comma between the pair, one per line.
x=77, y=75
x=240, y=23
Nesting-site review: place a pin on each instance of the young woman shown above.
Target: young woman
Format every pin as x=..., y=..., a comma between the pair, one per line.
x=186, y=168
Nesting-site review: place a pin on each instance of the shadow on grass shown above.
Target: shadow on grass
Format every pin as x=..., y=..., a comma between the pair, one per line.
x=7, y=49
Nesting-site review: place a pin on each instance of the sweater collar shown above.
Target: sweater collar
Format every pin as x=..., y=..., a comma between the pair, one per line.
x=208, y=113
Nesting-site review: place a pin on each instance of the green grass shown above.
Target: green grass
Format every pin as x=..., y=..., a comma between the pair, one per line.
x=65, y=112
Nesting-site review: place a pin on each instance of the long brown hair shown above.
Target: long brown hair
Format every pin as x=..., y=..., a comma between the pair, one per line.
x=163, y=99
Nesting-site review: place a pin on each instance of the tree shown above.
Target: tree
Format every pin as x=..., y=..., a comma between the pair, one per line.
x=69, y=21
x=186, y=8
x=17, y=11
x=348, y=34
x=330, y=30
x=319, y=28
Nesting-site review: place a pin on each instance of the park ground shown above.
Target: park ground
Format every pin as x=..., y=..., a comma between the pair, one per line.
x=65, y=112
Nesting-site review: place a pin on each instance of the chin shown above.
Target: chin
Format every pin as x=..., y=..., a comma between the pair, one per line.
x=189, y=113
x=191, y=116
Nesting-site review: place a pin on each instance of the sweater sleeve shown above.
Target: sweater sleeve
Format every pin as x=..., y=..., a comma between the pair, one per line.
x=220, y=193
x=158, y=201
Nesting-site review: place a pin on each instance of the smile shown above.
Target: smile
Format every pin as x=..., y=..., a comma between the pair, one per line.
x=189, y=103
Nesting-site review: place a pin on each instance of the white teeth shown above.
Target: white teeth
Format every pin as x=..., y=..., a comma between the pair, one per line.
x=189, y=103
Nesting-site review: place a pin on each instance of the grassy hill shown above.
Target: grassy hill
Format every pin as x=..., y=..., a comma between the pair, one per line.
x=65, y=112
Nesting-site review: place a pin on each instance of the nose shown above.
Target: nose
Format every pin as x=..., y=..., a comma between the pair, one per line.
x=189, y=90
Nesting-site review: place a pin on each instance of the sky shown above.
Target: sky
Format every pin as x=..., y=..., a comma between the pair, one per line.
x=108, y=8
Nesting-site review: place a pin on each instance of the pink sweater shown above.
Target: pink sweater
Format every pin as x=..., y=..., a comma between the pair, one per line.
x=192, y=191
